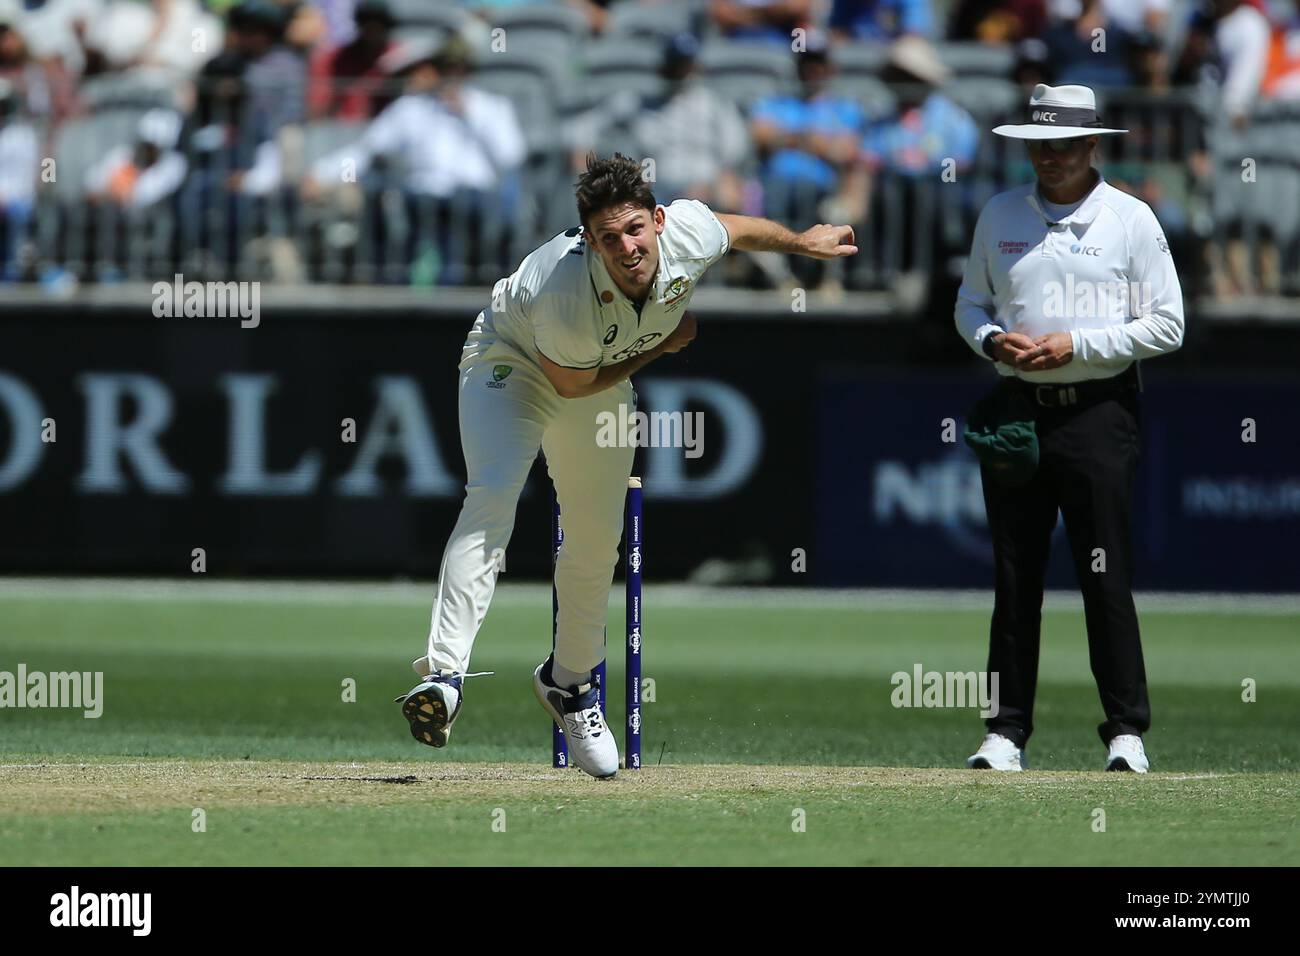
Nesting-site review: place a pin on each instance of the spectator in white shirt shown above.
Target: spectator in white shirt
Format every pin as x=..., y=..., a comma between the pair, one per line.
x=449, y=135
x=139, y=175
x=457, y=146
x=1228, y=42
x=696, y=135
x=19, y=156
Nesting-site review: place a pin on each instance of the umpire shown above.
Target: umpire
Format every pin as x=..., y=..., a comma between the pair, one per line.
x=1069, y=284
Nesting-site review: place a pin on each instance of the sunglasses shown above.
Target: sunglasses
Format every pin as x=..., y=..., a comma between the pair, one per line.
x=1056, y=145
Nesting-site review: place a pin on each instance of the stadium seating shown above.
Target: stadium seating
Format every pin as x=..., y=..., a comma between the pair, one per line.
x=444, y=17
x=134, y=89
x=875, y=97
x=747, y=71
x=535, y=27
x=533, y=93
x=860, y=59
x=657, y=21
x=977, y=59
x=988, y=99
x=623, y=64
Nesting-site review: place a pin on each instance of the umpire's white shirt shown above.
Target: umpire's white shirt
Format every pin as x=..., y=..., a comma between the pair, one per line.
x=1104, y=274
x=562, y=302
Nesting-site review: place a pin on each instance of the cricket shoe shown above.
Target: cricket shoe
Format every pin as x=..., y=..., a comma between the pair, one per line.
x=576, y=710
x=997, y=753
x=431, y=707
x=1127, y=753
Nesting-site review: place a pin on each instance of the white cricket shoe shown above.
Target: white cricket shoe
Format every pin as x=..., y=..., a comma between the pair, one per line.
x=997, y=753
x=577, y=712
x=1127, y=753
x=431, y=707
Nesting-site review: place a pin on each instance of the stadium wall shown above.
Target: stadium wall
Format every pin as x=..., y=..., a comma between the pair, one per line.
x=126, y=442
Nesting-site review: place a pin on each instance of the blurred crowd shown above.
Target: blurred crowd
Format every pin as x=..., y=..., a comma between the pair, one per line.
x=432, y=142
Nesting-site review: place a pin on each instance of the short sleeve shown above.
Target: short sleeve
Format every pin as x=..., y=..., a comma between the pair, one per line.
x=560, y=338
x=696, y=233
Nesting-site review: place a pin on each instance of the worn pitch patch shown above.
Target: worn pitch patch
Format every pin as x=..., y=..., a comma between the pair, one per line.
x=108, y=785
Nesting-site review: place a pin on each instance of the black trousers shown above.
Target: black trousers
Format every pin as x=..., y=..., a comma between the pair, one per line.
x=1088, y=456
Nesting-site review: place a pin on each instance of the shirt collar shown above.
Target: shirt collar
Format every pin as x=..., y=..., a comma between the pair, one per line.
x=1084, y=214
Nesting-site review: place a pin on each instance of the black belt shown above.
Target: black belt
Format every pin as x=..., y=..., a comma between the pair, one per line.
x=1087, y=392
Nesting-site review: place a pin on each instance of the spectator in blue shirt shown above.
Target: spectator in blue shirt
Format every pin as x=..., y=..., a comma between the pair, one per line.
x=805, y=141
x=880, y=19
x=920, y=152
x=914, y=142
x=928, y=127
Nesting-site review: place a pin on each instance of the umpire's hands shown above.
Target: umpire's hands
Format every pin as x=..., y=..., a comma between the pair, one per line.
x=1008, y=347
x=1048, y=352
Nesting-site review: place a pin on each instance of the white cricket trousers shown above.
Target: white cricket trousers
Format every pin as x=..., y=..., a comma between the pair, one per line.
x=504, y=418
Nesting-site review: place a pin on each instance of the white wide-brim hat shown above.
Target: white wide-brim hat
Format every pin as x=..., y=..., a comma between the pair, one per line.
x=1059, y=112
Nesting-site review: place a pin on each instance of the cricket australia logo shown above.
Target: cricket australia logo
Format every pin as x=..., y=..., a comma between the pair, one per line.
x=678, y=288
x=499, y=374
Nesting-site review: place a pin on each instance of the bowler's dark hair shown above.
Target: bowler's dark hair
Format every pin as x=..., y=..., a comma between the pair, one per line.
x=612, y=182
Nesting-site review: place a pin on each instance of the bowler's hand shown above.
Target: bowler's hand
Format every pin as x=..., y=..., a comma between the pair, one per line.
x=1048, y=352
x=681, y=336
x=1008, y=347
x=824, y=241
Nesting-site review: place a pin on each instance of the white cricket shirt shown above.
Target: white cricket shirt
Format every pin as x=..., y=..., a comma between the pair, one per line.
x=1103, y=273
x=562, y=302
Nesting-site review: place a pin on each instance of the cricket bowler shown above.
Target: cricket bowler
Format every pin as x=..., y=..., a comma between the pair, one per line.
x=550, y=355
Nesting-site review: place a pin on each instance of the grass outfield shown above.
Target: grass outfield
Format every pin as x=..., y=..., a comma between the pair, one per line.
x=230, y=700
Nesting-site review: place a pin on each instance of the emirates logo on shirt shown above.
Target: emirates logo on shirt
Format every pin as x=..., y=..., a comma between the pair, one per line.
x=1009, y=247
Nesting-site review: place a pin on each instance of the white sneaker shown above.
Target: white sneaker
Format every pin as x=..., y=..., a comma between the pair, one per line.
x=577, y=712
x=997, y=753
x=1127, y=753
x=431, y=707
